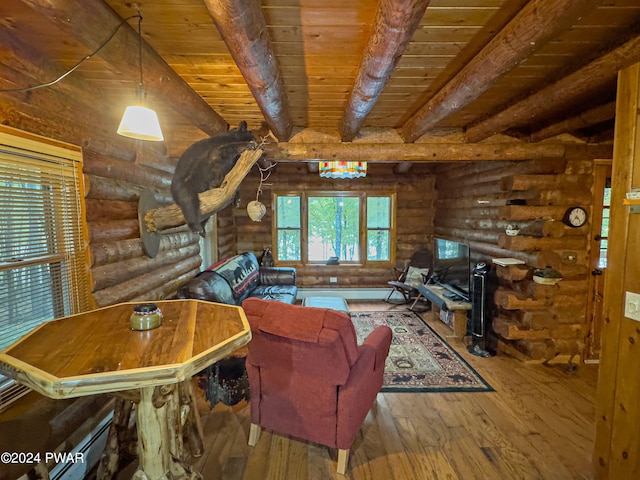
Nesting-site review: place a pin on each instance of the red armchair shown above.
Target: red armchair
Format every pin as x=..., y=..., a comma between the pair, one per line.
x=307, y=375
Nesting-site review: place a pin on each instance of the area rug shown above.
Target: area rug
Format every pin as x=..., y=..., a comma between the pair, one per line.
x=419, y=359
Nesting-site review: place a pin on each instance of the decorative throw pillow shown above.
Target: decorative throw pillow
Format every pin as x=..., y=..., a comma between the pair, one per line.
x=415, y=276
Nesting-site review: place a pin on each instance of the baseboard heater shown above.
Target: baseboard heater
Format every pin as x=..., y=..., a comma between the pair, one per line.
x=91, y=447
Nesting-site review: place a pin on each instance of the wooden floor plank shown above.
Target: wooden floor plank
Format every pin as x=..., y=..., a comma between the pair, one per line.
x=537, y=424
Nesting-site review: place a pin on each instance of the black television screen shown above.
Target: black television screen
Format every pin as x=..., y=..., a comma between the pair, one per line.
x=451, y=265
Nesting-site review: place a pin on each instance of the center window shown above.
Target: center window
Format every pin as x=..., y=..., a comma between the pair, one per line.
x=331, y=228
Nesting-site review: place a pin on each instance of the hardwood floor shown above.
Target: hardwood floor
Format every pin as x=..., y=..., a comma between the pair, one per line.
x=538, y=424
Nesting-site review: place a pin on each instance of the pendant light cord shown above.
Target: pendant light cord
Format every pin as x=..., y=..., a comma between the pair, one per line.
x=141, y=86
x=87, y=57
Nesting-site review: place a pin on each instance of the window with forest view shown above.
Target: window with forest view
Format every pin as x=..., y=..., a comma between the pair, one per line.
x=315, y=227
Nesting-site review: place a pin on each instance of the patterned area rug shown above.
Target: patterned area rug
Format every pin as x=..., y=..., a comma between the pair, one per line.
x=419, y=359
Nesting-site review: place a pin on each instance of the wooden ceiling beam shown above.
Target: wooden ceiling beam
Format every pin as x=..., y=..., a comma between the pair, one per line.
x=92, y=22
x=395, y=24
x=585, y=119
x=560, y=94
x=537, y=23
x=435, y=152
x=244, y=31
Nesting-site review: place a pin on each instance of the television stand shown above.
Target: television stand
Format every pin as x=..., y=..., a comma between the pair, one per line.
x=437, y=295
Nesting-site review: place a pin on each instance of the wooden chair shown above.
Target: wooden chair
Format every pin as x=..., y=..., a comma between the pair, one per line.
x=416, y=272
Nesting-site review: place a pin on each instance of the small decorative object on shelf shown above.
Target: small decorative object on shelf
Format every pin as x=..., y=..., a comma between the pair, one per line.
x=145, y=316
x=547, y=276
x=512, y=230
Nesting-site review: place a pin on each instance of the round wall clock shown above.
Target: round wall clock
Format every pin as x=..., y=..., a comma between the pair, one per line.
x=575, y=217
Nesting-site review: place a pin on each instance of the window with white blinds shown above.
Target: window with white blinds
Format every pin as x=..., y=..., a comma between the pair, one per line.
x=43, y=267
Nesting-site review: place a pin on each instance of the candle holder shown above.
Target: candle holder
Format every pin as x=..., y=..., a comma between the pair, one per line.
x=145, y=316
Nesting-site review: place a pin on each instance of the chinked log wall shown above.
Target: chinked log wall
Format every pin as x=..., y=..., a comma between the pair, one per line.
x=415, y=210
x=535, y=322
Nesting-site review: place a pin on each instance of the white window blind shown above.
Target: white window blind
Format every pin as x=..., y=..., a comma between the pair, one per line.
x=43, y=267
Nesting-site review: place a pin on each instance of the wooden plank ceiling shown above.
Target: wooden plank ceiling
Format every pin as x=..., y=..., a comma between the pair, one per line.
x=332, y=70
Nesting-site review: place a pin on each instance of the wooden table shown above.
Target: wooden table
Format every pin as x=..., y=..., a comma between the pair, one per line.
x=97, y=352
x=459, y=309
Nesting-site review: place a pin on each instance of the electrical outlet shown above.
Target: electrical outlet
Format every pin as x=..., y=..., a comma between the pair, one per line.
x=333, y=279
x=632, y=306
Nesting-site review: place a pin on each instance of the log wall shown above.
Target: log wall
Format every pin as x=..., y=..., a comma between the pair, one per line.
x=226, y=232
x=414, y=217
x=120, y=270
x=116, y=171
x=475, y=205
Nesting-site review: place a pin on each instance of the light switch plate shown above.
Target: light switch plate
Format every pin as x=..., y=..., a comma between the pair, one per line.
x=632, y=306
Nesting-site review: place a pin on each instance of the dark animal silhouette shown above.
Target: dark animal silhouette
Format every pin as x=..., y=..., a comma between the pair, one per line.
x=443, y=356
x=249, y=266
x=266, y=260
x=459, y=378
x=238, y=274
x=203, y=166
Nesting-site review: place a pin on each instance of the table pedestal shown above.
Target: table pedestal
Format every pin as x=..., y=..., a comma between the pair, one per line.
x=153, y=437
x=96, y=352
x=164, y=417
x=160, y=417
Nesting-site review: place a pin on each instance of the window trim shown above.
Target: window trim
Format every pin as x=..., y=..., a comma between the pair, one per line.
x=363, y=227
x=38, y=150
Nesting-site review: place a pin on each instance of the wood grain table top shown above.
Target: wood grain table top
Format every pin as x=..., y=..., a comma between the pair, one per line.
x=97, y=352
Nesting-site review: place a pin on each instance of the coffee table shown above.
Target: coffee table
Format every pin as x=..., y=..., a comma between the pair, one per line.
x=97, y=352
x=335, y=303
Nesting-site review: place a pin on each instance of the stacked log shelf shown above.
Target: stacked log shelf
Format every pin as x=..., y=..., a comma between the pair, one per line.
x=534, y=322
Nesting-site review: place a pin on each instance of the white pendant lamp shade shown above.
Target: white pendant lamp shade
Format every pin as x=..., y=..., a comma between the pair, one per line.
x=141, y=123
x=138, y=121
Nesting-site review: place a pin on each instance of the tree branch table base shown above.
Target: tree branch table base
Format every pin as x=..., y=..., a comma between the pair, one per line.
x=97, y=352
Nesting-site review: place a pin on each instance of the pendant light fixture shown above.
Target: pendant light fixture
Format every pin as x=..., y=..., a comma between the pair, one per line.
x=139, y=121
x=343, y=169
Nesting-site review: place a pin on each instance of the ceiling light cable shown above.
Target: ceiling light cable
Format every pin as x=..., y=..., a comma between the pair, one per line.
x=87, y=57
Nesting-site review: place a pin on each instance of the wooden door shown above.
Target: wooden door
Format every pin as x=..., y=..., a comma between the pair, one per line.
x=598, y=259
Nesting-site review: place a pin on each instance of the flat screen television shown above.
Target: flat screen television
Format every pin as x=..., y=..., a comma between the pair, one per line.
x=451, y=266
